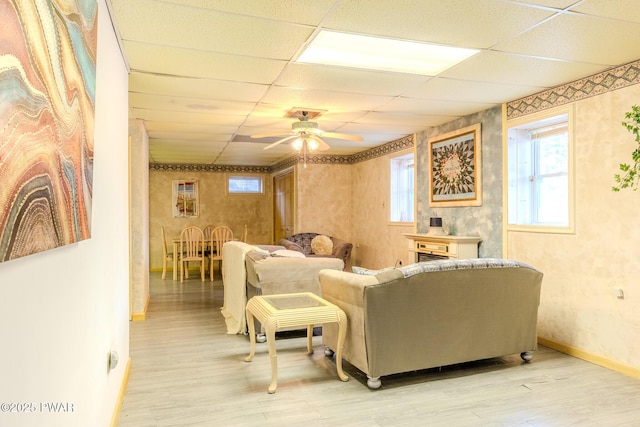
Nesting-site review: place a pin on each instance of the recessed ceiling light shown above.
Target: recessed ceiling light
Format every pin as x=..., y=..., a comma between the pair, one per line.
x=377, y=53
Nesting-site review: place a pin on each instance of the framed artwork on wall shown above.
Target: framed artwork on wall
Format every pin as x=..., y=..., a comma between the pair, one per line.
x=185, y=198
x=48, y=54
x=455, y=168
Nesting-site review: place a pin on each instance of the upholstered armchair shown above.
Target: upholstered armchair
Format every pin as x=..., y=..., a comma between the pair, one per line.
x=301, y=242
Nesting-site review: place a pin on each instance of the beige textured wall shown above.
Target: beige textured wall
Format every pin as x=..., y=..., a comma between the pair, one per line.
x=377, y=244
x=323, y=197
x=139, y=215
x=216, y=208
x=579, y=307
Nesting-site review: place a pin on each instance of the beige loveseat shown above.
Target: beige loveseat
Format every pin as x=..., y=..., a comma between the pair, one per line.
x=301, y=242
x=434, y=314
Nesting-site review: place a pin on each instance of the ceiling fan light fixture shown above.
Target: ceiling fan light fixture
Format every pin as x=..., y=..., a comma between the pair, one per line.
x=305, y=126
x=312, y=144
x=297, y=144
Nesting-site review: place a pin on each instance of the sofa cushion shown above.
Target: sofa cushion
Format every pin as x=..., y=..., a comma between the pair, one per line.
x=322, y=245
x=287, y=253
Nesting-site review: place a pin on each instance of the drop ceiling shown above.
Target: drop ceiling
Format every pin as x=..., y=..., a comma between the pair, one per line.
x=207, y=74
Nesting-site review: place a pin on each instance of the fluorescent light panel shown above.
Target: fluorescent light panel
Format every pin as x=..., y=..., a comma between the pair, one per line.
x=376, y=53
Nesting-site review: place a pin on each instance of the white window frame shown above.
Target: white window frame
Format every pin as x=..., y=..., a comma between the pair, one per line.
x=393, y=188
x=536, y=121
x=244, y=177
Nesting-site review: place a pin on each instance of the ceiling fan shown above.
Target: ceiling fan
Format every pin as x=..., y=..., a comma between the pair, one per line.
x=306, y=135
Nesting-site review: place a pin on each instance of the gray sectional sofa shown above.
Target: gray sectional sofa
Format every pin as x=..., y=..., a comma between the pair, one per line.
x=433, y=314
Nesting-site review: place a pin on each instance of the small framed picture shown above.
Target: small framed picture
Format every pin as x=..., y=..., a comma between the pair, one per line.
x=185, y=198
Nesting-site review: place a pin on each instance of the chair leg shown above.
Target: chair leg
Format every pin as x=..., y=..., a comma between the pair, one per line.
x=202, y=270
x=211, y=270
x=164, y=269
x=181, y=271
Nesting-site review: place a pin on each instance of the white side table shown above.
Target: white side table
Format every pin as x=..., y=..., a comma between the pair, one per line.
x=286, y=310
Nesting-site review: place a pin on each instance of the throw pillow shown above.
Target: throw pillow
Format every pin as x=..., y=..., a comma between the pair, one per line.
x=322, y=245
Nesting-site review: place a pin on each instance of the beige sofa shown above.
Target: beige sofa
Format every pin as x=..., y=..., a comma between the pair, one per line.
x=269, y=275
x=434, y=314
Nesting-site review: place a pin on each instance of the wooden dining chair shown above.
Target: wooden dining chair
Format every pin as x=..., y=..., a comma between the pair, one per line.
x=191, y=249
x=220, y=235
x=207, y=237
x=166, y=255
x=245, y=233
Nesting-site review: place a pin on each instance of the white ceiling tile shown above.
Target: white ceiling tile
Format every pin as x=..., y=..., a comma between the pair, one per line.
x=347, y=80
x=432, y=107
x=624, y=10
x=500, y=67
x=472, y=24
x=324, y=99
x=579, y=38
x=363, y=129
x=183, y=62
x=200, y=105
x=472, y=91
x=196, y=87
x=186, y=128
x=214, y=138
x=299, y=11
x=209, y=30
x=184, y=117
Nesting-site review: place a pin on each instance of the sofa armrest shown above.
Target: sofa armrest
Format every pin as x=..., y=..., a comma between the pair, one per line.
x=346, y=290
x=292, y=246
x=342, y=249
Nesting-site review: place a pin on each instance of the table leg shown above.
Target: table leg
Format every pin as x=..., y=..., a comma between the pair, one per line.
x=270, y=329
x=309, y=339
x=342, y=333
x=252, y=336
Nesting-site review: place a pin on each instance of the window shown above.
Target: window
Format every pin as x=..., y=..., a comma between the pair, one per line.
x=540, y=173
x=401, y=184
x=245, y=185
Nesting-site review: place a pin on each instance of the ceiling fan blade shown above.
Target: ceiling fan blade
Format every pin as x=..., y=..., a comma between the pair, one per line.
x=341, y=136
x=322, y=146
x=280, y=141
x=265, y=135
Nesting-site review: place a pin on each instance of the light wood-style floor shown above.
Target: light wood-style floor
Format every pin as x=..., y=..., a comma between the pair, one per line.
x=186, y=371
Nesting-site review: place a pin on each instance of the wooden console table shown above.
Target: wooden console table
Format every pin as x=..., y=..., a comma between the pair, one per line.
x=429, y=247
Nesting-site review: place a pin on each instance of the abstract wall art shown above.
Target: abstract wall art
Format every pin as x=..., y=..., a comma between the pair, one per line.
x=47, y=98
x=455, y=172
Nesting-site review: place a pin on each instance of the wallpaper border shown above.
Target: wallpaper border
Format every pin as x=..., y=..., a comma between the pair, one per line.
x=596, y=84
x=315, y=159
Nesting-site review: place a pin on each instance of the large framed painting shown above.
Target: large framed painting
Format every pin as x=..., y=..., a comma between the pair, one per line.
x=455, y=168
x=47, y=99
